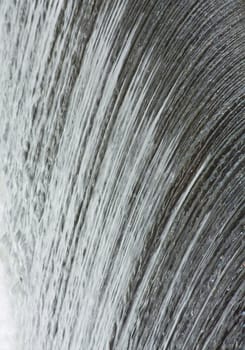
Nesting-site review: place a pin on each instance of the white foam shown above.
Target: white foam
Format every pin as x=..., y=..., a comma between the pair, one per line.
x=7, y=324
x=7, y=327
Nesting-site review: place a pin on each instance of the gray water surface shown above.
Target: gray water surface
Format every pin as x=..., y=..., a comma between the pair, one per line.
x=122, y=142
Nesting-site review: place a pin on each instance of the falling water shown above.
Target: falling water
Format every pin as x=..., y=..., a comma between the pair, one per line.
x=122, y=147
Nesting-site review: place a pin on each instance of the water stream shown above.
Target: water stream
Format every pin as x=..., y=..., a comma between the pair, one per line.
x=122, y=147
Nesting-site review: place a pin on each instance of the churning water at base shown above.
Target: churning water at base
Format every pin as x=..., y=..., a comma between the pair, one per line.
x=122, y=144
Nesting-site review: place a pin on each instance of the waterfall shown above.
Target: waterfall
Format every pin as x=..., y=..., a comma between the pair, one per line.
x=122, y=148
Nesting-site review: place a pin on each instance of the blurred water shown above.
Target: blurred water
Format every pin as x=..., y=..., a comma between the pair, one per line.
x=122, y=145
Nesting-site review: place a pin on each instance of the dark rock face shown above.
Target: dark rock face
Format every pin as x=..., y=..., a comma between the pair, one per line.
x=122, y=140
